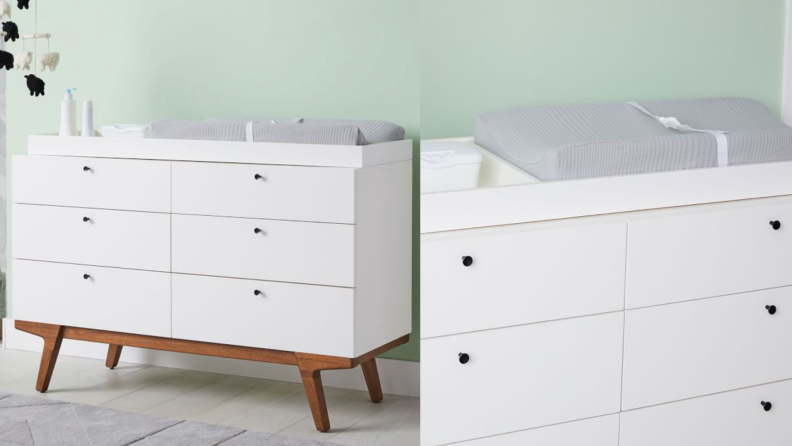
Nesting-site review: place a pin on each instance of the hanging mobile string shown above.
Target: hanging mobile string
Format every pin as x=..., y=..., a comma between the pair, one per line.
x=34, y=83
x=48, y=60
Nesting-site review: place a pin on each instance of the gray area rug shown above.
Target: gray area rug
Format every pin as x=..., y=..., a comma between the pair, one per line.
x=30, y=421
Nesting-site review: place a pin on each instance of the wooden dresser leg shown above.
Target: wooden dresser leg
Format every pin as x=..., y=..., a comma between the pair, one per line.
x=312, y=380
x=53, y=337
x=113, y=356
x=372, y=379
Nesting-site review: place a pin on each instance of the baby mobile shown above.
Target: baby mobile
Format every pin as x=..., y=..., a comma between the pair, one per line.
x=21, y=61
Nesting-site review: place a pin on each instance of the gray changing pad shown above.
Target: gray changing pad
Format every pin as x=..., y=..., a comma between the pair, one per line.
x=581, y=141
x=308, y=131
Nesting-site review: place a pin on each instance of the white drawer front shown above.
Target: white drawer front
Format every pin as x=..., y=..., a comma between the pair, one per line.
x=520, y=378
x=115, y=299
x=137, y=240
x=106, y=184
x=692, y=256
x=601, y=431
x=521, y=277
x=258, y=191
x=727, y=419
x=299, y=252
x=679, y=351
x=282, y=316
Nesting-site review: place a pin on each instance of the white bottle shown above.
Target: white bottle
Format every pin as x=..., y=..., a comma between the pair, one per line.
x=87, y=127
x=68, y=125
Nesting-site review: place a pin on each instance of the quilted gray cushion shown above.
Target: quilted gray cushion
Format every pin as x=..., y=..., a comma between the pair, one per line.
x=592, y=140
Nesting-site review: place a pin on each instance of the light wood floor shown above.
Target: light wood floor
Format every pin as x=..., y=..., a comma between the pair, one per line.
x=248, y=403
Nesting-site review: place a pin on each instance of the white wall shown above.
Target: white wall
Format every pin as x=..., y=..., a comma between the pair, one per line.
x=786, y=90
x=3, y=185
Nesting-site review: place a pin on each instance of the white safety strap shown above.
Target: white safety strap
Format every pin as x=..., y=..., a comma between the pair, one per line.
x=249, y=131
x=673, y=123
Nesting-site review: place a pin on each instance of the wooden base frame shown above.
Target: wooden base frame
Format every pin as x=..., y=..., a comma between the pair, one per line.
x=310, y=365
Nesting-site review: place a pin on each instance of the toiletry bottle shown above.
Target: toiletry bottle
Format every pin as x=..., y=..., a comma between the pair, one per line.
x=68, y=125
x=87, y=123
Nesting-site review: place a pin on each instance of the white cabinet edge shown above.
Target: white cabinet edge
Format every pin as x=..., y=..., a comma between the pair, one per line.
x=554, y=200
x=223, y=151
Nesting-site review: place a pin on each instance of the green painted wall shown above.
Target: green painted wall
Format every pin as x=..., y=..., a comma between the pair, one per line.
x=153, y=59
x=429, y=63
x=487, y=55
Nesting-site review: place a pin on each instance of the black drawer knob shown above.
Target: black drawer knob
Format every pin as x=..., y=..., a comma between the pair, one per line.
x=767, y=405
x=257, y=177
x=775, y=224
x=771, y=309
x=86, y=219
x=464, y=358
x=257, y=293
x=467, y=260
x=86, y=169
x=86, y=276
x=257, y=231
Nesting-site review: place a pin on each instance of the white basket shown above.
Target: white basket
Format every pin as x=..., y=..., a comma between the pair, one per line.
x=449, y=165
x=125, y=131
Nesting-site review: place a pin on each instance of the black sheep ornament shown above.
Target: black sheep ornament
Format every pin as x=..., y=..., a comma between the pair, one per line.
x=35, y=85
x=6, y=60
x=11, y=30
x=23, y=4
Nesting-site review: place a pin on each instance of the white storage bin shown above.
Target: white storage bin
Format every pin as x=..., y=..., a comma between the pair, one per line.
x=449, y=165
x=126, y=131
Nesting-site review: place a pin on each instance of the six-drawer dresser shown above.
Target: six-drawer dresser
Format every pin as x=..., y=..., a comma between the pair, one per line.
x=288, y=253
x=657, y=327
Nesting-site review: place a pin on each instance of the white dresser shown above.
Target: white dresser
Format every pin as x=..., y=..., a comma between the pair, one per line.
x=294, y=254
x=652, y=328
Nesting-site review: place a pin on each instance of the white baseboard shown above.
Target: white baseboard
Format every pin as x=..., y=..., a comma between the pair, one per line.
x=398, y=377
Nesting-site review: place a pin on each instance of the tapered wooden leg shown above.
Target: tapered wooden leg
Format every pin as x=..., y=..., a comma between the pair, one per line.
x=53, y=337
x=372, y=379
x=310, y=365
x=312, y=380
x=113, y=356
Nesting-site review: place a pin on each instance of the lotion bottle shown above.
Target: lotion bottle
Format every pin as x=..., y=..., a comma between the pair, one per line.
x=68, y=125
x=87, y=123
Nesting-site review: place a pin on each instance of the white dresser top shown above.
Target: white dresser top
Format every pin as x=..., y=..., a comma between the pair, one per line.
x=223, y=151
x=555, y=200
